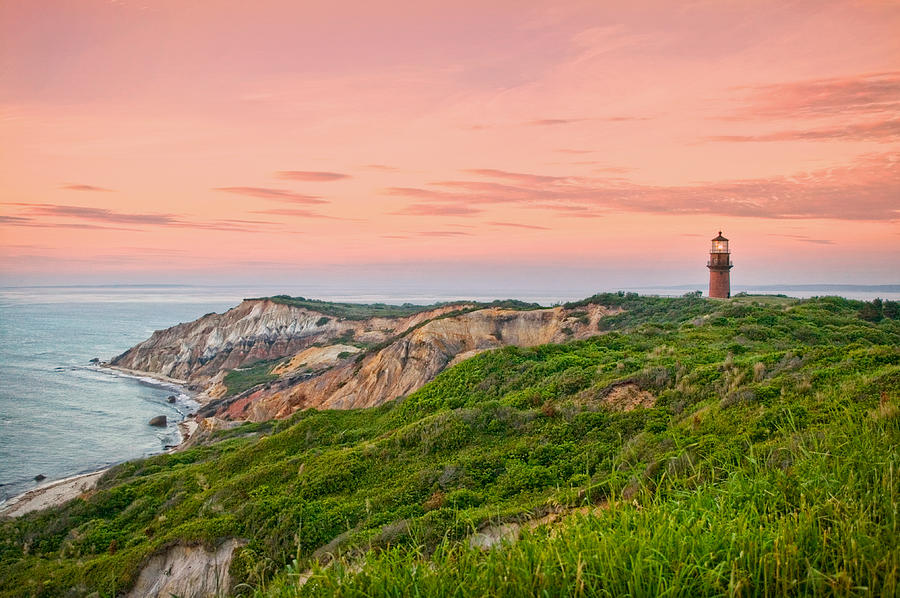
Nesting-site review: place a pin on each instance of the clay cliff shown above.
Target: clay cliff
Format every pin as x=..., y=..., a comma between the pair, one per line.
x=334, y=363
x=257, y=329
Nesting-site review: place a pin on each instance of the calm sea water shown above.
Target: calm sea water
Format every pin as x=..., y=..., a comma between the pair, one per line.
x=60, y=416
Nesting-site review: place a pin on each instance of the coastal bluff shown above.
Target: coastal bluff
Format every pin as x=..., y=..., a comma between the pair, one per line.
x=267, y=358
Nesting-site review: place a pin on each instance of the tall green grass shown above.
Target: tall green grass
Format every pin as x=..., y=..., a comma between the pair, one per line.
x=816, y=515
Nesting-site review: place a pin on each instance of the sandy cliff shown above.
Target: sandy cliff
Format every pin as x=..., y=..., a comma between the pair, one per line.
x=256, y=329
x=393, y=356
x=411, y=361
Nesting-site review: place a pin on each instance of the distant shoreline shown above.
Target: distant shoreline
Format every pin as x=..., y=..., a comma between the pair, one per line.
x=145, y=376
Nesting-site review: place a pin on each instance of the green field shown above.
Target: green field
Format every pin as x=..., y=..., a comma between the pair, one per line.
x=765, y=463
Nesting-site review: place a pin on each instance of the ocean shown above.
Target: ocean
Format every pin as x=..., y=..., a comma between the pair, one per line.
x=60, y=415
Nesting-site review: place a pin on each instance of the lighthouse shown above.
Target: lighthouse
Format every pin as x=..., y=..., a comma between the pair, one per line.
x=719, y=268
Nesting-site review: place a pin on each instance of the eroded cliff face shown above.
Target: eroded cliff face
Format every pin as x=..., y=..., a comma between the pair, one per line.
x=257, y=329
x=389, y=357
x=411, y=361
x=186, y=571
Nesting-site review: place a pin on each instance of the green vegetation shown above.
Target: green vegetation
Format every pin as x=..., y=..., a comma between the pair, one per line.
x=363, y=311
x=815, y=517
x=351, y=311
x=245, y=378
x=876, y=310
x=767, y=465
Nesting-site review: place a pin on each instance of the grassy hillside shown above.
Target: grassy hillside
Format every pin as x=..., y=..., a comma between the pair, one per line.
x=765, y=462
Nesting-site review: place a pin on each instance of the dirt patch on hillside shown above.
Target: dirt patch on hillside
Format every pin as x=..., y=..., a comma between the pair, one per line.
x=628, y=396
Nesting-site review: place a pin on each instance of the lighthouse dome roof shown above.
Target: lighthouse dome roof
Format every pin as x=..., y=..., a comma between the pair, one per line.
x=720, y=237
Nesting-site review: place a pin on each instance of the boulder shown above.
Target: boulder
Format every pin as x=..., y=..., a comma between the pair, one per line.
x=172, y=399
x=158, y=421
x=95, y=360
x=40, y=477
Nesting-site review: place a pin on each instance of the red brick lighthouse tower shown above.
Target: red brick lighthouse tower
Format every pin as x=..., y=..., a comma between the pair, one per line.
x=719, y=266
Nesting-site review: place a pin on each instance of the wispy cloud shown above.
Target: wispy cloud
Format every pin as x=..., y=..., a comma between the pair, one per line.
x=420, y=193
x=864, y=190
x=297, y=213
x=426, y=209
x=14, y=219
x=519, y=177
x=442, y=233
x=42, y=215
x=805, y=239
x=576, y=211
x=818, y=241
x=24, y=221
x=517, y=225
x=552, y=122
x=273, y=194
x=230, y=225
x=98, y=214
x=311, y=176
x=866, y=94
x=884, y=131
x=79, y=187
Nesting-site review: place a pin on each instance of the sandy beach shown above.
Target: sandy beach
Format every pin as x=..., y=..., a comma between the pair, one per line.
x=51, y=495
x=141, y=375
x=62, y=491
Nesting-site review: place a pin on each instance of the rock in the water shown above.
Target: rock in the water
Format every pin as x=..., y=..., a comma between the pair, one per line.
x=171, y=399
x=159, y=421
x=39, y=477
x=95, y=360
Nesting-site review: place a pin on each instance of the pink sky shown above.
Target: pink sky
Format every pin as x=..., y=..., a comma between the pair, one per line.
x=178, y=140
